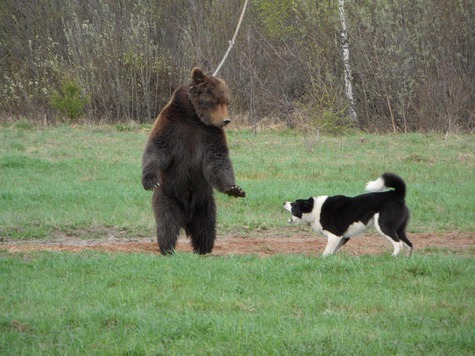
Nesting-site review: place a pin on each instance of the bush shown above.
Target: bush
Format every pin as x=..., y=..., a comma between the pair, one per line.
x=23, y=124
x=70, y=101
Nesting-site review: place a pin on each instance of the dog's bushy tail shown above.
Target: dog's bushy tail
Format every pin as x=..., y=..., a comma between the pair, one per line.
x=388, y=180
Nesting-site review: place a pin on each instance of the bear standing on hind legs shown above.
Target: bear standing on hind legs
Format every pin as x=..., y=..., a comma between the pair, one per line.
x=185, y=157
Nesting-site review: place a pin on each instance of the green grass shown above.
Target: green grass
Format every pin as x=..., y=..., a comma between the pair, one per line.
x=84, y=180
x=66, y=179
x=109, y=304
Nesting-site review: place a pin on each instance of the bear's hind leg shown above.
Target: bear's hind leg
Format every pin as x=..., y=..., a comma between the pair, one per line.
x=202, y=227
x=167, y=236
x=169, y=219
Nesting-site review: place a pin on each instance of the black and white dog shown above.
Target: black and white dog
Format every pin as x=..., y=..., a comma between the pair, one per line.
x=338, y=217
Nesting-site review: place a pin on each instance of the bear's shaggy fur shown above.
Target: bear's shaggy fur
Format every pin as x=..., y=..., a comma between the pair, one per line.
x=185, y=157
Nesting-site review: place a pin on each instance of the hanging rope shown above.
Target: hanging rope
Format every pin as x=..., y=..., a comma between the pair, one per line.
x=231, y=43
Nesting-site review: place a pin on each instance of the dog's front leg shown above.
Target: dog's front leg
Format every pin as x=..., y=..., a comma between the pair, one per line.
x=332, y=244
x=343, y=241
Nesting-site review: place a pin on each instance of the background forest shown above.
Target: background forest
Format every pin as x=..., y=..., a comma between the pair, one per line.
x=119, y=60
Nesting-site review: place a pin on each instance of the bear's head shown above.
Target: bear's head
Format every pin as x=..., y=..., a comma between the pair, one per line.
x=210, y=98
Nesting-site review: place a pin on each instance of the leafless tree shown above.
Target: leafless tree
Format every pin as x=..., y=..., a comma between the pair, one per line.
x=412, y=64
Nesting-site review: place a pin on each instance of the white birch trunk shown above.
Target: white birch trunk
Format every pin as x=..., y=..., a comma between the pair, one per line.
x=346, y=62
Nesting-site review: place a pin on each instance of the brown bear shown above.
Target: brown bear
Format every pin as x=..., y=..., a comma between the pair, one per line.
x=185, y=157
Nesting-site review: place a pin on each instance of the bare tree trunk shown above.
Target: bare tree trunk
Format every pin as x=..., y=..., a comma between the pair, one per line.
x=346, y=62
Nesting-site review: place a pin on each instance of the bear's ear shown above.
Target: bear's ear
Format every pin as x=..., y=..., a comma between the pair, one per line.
x=197, y=76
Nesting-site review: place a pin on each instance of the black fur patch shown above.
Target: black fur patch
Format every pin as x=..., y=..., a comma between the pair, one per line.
x=302, y=206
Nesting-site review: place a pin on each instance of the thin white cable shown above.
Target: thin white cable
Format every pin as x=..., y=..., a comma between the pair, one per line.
x=231, y=43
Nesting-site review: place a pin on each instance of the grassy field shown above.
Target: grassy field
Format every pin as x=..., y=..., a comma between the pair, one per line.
x=110, y=304
x=86, y=181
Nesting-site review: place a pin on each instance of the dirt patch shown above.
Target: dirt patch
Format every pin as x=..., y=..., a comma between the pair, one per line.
x=260, y=243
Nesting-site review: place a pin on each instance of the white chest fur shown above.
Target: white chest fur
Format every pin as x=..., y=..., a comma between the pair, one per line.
x=317, y=210
x=357, y=228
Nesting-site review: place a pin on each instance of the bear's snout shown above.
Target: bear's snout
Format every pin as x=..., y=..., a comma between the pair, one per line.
x=226, y=121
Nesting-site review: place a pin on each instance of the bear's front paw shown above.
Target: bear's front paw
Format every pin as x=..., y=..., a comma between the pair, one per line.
x=150, y=182
x=235, y=191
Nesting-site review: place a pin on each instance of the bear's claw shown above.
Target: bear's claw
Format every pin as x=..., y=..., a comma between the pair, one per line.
x=235, y=191
x=150, y=180
x=150, y=185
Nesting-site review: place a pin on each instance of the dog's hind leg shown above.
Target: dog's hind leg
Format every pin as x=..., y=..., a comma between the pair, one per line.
x=390, y=234
x=391, y=237
x=407, y=244
x=333, y=244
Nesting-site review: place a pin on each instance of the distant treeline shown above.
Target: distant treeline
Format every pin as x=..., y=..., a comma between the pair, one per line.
x=412, y=61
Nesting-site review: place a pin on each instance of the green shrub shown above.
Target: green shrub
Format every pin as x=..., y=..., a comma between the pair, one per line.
x=23, y=124
x=70, y=101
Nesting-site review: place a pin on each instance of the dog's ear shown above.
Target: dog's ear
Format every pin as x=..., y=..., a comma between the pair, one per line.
x=307, y=205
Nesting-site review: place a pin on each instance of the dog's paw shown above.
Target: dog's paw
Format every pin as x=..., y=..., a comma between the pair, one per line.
x=235, y=191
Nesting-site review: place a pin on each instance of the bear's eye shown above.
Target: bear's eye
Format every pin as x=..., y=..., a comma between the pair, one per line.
x=215, y=102
x=207, y=102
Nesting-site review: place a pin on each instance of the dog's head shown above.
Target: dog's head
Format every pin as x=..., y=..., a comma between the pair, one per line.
x=299, y=209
